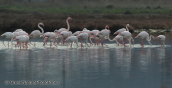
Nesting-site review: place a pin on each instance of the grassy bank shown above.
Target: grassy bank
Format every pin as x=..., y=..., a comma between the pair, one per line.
x=28, y=21
x=106, y=9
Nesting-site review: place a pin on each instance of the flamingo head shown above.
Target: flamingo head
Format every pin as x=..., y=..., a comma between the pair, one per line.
x=85, y=29
x=69, y=18
x=128, y=25
x=90, y=33
x=66, y=39
x=41, y=24
x=158, y=37
x=116, y=33
x=56, y=31
x=119, y=34
x=106, y=27
x=15, y=38
x=44, y=35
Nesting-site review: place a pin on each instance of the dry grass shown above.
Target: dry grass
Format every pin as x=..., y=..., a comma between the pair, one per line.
x=28, y=22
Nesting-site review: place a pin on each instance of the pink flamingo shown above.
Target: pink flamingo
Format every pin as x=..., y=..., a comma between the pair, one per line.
x=73, y=39
x=144, y=35
x=68, y=26
x=127, y=35
x=21, y=40
x=162, y=39
x=84, y=36
x=37, y=33
x=122, y=29
x=9, y=35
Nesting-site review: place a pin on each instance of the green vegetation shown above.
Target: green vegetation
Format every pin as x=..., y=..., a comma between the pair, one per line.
x=106, y=9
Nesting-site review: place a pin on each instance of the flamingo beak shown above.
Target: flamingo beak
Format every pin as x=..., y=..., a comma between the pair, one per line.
x=115, y=32
x=14, y=38
x=136, y=36
x=66, y=39
x=119, y=34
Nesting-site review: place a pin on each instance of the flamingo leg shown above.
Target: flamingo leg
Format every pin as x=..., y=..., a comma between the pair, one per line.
x=26, y=45
x=94, y=42
x=8, y=44
x=3, y=42
x=129, y=42
x=81, y=43
x=35, y=42
x=71, y=45
x=20, y=46
x=54, y=43
x=163, y=44
x=50, y=43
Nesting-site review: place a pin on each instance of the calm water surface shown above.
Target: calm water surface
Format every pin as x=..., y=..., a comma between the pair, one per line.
x=95, y=67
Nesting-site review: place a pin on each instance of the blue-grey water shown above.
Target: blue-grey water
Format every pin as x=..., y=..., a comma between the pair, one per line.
x=94, y=67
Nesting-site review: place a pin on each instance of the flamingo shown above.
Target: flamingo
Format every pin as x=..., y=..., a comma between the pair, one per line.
x=21, y=39
x=104, y=33
x=76, y=33
x=37, y=33
x=68, y=27
x=144, y=35
x=73, y=39
x=65, y=34
x=84, y=36
x=51, y=36
x=17, y=30
x=86, y=30
x=127, y=35
x=120, y=38
x=162, y=39
x=122, y=29
x=9, y=35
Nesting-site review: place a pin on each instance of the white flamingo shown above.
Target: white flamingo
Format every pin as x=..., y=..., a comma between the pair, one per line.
x=65, y=34
x=22, y=39
x=9, y=35
x=37, y=33
x=68, y=26
x=122, y=29
x=84, y=36
x=76, y=33
x=17, y=30
x=144, y=35
x=120, y=38
x=162, y=39
x=50, y=35
x=72, y=39
x=103, y=34
x=127, y=35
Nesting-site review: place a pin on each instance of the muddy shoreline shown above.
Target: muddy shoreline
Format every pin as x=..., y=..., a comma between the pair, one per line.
x=29, y=21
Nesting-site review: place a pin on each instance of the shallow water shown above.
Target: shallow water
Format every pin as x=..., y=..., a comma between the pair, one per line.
x=95, y=67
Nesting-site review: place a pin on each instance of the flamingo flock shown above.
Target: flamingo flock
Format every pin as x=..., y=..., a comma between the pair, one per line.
x=63, y=36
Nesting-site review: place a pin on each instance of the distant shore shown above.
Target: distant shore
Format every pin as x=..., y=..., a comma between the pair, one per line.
x=9, y=21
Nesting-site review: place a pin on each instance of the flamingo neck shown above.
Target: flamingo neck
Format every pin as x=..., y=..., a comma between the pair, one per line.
x=127, y=28
x=41, y=29
x=106, y=27
x=149, y=37
x=109, y=38
x=68, y=26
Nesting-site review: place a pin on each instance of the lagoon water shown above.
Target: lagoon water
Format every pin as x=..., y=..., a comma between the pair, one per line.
x=94, y=67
